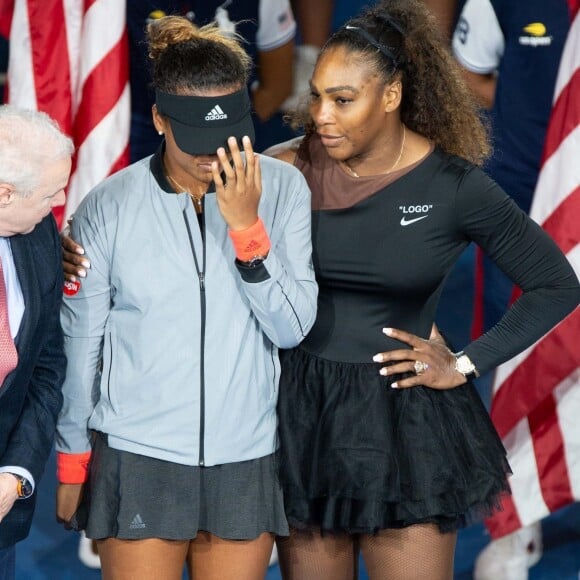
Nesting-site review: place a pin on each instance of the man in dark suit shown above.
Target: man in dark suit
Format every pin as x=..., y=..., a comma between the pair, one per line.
x=35, y=163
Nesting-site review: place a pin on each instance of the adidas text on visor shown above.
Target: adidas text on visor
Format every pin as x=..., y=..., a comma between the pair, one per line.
x=201, y=125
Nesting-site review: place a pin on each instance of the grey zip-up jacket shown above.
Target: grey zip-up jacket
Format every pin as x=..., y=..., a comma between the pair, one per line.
x=172, y=348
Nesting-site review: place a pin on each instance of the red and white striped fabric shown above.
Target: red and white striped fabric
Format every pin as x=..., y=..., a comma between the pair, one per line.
x=536, y=401
x=69, y=58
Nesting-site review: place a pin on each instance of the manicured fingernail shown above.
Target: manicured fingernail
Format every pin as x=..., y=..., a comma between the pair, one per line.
x=394, y=386
x=232, y=140
x=384, y=371
x=378, y=358
x=246, y=139
x=85, y=264
x=82, y=273
x=80, y=251
x=388, y=331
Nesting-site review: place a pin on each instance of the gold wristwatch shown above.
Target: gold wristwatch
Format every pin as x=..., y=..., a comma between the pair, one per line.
x=23, y=487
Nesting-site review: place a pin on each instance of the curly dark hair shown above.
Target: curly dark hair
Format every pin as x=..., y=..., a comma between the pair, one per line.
x=186, y=59
x=401, y=39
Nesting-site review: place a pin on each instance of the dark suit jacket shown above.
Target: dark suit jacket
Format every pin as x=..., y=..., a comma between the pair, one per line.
x=30, y=398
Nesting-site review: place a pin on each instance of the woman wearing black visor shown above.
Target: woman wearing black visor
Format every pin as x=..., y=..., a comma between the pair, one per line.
x=200, y=271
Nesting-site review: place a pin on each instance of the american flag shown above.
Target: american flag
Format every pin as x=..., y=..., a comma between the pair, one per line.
x=69, y=58
x=536, y=400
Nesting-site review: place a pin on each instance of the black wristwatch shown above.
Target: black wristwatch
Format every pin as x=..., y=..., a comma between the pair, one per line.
x=253, y=263
x=23, y=487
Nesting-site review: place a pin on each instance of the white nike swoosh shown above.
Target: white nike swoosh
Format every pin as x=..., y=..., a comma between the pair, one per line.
x=406, y=222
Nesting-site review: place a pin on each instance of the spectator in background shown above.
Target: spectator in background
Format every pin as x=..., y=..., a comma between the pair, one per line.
x=510, y=53
x=316, y=20
x=314, y=27
x=268, y=28
x=35, y=162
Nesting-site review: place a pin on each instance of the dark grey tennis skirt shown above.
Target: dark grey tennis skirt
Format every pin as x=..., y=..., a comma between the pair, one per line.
x=134, y=497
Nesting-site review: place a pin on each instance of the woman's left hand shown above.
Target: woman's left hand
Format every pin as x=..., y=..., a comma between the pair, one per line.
x=432, y=363
x=68, y=499
x=239, y=196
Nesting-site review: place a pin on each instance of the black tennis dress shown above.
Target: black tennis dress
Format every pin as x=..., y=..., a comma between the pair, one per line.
x=356, y=455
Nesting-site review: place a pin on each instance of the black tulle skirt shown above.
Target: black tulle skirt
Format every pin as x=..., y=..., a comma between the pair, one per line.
x=358, y=456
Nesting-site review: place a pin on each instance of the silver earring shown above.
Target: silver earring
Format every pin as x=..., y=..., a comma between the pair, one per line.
x=160, y=132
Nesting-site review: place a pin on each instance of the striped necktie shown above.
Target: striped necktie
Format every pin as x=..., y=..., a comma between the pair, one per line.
x=8, y=354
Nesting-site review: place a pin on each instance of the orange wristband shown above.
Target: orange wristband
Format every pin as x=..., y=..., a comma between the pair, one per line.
x=72, y=467
x=251, y=242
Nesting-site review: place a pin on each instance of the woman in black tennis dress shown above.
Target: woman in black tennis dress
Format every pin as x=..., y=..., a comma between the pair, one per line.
x=385, y=445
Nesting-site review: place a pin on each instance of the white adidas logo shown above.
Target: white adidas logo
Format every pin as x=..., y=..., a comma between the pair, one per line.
x=137, y=523
x=215, y=114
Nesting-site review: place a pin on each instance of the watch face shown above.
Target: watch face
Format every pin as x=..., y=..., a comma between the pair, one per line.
x=24, y=488
x=255, y=262
x=464, y=365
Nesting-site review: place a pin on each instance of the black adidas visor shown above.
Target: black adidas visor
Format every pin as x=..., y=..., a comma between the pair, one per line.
x=201, y=125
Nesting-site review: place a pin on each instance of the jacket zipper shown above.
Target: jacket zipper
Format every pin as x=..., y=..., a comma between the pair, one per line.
x=110, y=369
x=201, y=278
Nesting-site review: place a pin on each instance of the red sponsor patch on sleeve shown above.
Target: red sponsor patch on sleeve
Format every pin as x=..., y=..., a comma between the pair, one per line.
x=71, y=288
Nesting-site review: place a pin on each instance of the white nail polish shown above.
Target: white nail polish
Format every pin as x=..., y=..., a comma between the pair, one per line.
x=378, y=358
